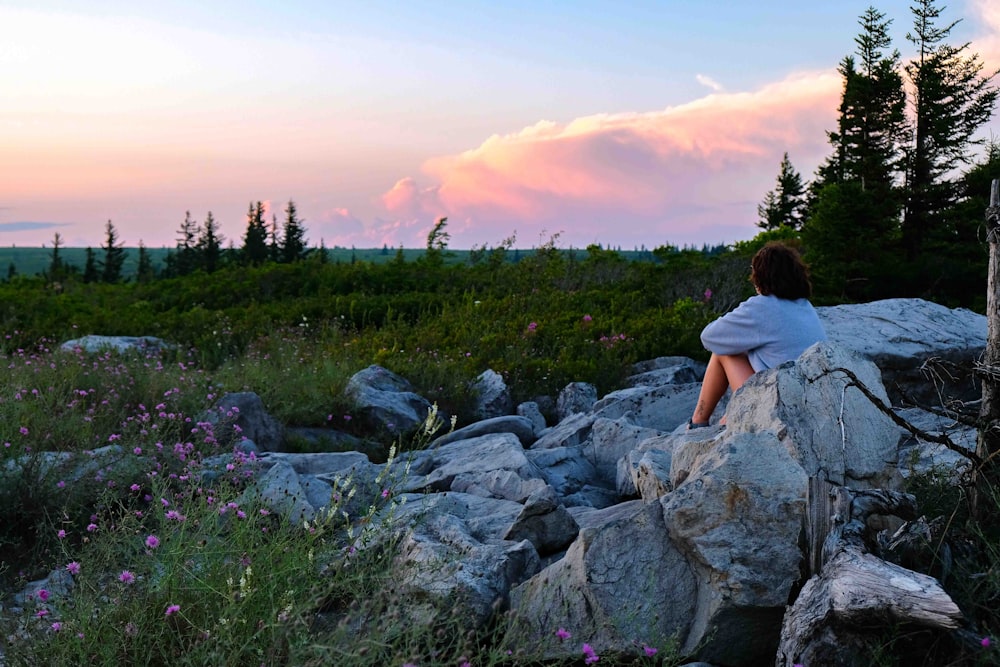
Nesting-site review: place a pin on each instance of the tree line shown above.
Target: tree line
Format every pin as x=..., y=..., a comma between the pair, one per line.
x=199, y=247
x=896, y=208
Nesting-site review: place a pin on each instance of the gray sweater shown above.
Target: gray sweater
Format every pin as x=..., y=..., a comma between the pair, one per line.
x=769, y=330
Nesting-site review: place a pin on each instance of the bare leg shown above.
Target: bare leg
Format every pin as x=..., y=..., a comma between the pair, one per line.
x=724, y=372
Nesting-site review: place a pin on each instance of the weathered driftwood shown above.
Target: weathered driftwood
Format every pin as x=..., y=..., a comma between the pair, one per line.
x=988, y=441
x=854, y=592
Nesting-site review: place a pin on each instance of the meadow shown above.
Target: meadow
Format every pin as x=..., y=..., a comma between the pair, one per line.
x=150, y=559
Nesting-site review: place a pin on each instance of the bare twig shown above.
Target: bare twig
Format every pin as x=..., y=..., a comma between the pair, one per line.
x=941, y=438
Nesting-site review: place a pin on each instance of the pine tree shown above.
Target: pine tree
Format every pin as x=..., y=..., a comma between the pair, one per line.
x=11, y=271
x=952, y=99
x=255, y=249
x=785, y=205
x=209, y=245
x=274, y=240
x=114, y=256
x=293, y=246
x=144, y=272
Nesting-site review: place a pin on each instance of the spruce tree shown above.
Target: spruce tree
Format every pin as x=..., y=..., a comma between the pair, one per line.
x=209, y=245
x=255, y=249
x=293, y=247
x=952, y=99
x=785, y=205
x=185, y=259
x=852, y=224
x=114, y=256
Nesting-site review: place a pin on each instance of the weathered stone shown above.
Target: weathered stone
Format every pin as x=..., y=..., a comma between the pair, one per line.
x=575, y=397
x=899, y=335
x=659, y=407
x=522, y=427
x=544, y=522
x=492, y=395
x=386, y=401
x=570, y=432
x=148, y=345
x=532, y=412
x=621, y=584
x=737, y=518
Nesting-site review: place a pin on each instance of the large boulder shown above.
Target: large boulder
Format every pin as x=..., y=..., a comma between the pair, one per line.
x=826, y=423
x=149, y=345
x=900, y=335
x=386, y=401
x=621, y=584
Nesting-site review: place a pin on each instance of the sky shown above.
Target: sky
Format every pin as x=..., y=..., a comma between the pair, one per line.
x=627, y=123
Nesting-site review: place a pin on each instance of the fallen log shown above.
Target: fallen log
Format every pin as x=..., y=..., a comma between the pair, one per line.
x=854, y=596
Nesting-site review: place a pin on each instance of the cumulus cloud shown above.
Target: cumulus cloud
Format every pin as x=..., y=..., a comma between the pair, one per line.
x=987, y=40
x=648, y=178
x=709, y=82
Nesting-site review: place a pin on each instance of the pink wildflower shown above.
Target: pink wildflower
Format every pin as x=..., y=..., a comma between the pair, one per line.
x=173, y=609
x=563, y=633
x=649, y=650
x=43, y=595
x=73, y=568
x=126, y=577
x=985, y=642
x=591, y=656
x=152, y=541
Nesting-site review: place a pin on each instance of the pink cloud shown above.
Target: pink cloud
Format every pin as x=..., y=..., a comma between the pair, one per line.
x=987, y=41
x=648, y=177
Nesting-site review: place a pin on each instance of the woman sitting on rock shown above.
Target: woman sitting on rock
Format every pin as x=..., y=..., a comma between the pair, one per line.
x=771, y=328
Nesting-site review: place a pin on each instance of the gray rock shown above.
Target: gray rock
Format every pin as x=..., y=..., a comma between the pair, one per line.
x=666, y=370
x=566, y=469
x=490, y=465
x=149, y=345
x=451, y=550
x=831, y=429
x=899, y=335
x=492, y=395
x=621, y=584
x=570, y=432
x=544, y=522
x=610, y=440
x=575, y=397
x=385, y=400
x=658, y=407
x=921, y=457
x=737, y=518
x=522, y=427
x=532, y=412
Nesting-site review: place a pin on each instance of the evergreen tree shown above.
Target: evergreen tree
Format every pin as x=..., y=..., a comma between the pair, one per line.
x=952, y=99
x=324, y=255
x=11, y=271
x=274, y=240
x=185, y=259
x=293, y=246
x=56, y=268
x=255, y=250
x=784, y=206
x=144, y=272
x=209, y=245
x=90, y=272
x=114, y=256
x=860, y=178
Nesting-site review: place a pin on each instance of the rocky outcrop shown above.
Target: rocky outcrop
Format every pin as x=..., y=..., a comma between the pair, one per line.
x=618, y=523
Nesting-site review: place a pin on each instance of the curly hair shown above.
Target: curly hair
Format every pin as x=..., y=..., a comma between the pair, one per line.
x=779, y=270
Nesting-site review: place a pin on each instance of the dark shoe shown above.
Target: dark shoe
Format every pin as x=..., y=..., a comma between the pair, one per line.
x=692, y=424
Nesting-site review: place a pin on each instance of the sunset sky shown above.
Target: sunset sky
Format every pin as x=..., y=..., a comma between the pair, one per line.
x=627, y=123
